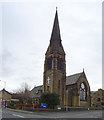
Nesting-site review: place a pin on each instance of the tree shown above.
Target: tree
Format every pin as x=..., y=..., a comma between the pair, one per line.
x=52, y=99
x=23, y=94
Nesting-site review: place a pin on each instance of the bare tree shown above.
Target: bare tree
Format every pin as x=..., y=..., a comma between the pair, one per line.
x=23, y=94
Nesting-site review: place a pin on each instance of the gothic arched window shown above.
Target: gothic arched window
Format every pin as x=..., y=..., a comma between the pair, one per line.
x=83, y=92
x=60, y=64
x=49, y=63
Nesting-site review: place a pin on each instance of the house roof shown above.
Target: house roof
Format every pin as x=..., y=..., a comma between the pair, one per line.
x=34, y=93
x=72, y=79
x=6, y=91
x=93, y=92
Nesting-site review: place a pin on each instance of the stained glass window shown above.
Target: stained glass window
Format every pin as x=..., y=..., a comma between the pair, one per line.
x=83, y=92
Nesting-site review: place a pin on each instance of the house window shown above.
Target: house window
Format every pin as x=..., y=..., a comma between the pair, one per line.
x=83, y=92
x=36, y=101
x=98, y=99
x=37, y=92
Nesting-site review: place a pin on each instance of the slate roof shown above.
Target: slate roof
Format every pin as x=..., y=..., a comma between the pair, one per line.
x=72, y=79
x=55, y=40
x=34, y=93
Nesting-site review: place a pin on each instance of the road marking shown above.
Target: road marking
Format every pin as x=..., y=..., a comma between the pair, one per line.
x=18, y=115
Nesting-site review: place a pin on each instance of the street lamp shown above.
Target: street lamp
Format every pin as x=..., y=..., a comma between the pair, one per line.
x=4, y=83
x=69, y=90
x=67, y=100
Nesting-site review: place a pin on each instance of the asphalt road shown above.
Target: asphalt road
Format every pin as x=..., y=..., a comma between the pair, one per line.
x=0, y=113
x=69, y=114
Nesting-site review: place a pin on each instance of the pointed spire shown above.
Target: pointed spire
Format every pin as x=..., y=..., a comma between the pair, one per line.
x=55, y=40
x=55, y=36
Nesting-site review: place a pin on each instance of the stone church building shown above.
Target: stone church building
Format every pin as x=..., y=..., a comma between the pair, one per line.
x=74, y=90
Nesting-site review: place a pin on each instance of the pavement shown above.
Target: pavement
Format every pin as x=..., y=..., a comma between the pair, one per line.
x=14, y=114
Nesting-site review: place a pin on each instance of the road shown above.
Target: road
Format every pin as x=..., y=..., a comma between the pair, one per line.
x=0, y=113
x=69, y=114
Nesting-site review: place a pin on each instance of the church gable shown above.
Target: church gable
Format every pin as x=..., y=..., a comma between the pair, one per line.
x=83, y=80
x=78, y=90
x=36, y=92
x=77, y=79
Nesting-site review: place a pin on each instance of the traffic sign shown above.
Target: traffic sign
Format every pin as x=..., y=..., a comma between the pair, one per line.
x=43, y=105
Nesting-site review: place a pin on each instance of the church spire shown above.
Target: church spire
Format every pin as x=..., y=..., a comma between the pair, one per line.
x=55, y=40
x=55, y=36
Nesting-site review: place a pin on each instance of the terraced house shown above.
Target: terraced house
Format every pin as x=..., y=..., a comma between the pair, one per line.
x=97, y=98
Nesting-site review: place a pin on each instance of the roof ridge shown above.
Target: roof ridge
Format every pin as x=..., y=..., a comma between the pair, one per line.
x=74, y=74
x=36, y=87
x=39, y=86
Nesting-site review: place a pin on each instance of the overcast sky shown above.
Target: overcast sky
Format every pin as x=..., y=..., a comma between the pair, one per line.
x=26, y=30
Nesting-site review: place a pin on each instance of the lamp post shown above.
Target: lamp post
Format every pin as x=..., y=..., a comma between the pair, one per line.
x=66, y=100
x=69, y=90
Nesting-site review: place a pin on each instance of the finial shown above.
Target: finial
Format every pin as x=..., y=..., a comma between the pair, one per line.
x=56, y=7
x=83, y=69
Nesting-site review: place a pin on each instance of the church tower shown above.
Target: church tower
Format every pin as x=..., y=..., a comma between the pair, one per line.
x=54, y=78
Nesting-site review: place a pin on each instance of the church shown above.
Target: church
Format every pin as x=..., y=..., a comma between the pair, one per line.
x=74, y=90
